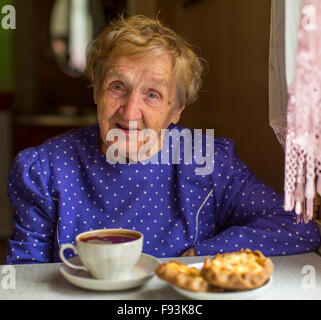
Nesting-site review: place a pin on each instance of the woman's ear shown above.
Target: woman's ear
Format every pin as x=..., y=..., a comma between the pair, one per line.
x=177, y=114
x=96, y=93
x=95, y=96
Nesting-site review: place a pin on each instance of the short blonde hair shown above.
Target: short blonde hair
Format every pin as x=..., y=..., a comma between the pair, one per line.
x=141, y=36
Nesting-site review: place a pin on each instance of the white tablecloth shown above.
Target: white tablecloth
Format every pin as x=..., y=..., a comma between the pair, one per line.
x=292, y=280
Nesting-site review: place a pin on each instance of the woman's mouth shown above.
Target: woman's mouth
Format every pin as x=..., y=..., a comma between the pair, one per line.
x=126, y=129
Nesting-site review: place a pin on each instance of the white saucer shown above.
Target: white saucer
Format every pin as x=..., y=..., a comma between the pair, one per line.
x=237, y=295
x=142, y=272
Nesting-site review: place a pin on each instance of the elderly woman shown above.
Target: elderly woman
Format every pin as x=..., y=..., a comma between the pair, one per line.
x=143, y=73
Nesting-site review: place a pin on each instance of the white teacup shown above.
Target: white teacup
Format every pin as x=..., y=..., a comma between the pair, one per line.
x=102, y=258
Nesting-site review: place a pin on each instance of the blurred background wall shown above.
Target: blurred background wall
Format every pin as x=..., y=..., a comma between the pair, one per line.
x=233, y=36
x=6, y=144
x=43, y=94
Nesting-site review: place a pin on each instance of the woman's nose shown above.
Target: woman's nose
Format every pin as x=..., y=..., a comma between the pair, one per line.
x=131, y=108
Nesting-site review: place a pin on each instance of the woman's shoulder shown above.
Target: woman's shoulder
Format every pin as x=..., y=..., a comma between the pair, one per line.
x=71, y=138
x=69, y=144
x=222, y=145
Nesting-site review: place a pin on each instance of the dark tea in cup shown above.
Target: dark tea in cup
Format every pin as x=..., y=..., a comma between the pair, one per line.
x=106, y=253
x=108, y=239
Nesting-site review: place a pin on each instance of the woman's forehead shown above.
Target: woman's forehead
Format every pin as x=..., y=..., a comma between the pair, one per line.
x=158, y=69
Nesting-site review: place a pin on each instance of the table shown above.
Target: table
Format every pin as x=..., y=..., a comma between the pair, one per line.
x=292, y=275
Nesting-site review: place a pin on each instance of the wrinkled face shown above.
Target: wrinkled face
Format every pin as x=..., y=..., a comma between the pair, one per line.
x=138, y=90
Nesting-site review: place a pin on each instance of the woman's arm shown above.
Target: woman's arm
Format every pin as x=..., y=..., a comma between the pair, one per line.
x=34, y=210
x=250, y=214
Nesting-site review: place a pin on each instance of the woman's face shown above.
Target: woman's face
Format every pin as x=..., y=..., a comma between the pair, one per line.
x=140, y=91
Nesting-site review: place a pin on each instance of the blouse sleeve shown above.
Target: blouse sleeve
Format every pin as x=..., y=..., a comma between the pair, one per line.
x=34, y=210
x=249, y=214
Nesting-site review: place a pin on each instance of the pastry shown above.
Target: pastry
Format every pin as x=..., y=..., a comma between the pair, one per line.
x=232, y=271
x=241, y=270
x=181, y=275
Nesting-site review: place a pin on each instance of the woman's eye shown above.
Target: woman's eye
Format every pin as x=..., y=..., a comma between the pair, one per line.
x=117, y=87
x=152, y=95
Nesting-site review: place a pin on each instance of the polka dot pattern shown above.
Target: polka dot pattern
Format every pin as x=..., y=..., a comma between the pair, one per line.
x=65, y=187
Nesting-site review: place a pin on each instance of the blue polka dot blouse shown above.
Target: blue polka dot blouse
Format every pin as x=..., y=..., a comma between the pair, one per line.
x=66, y=186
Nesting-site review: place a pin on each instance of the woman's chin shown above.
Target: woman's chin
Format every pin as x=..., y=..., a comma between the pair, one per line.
x=129, y=153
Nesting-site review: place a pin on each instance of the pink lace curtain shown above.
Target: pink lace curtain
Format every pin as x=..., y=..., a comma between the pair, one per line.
x=277, y=71
x=303, y=136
